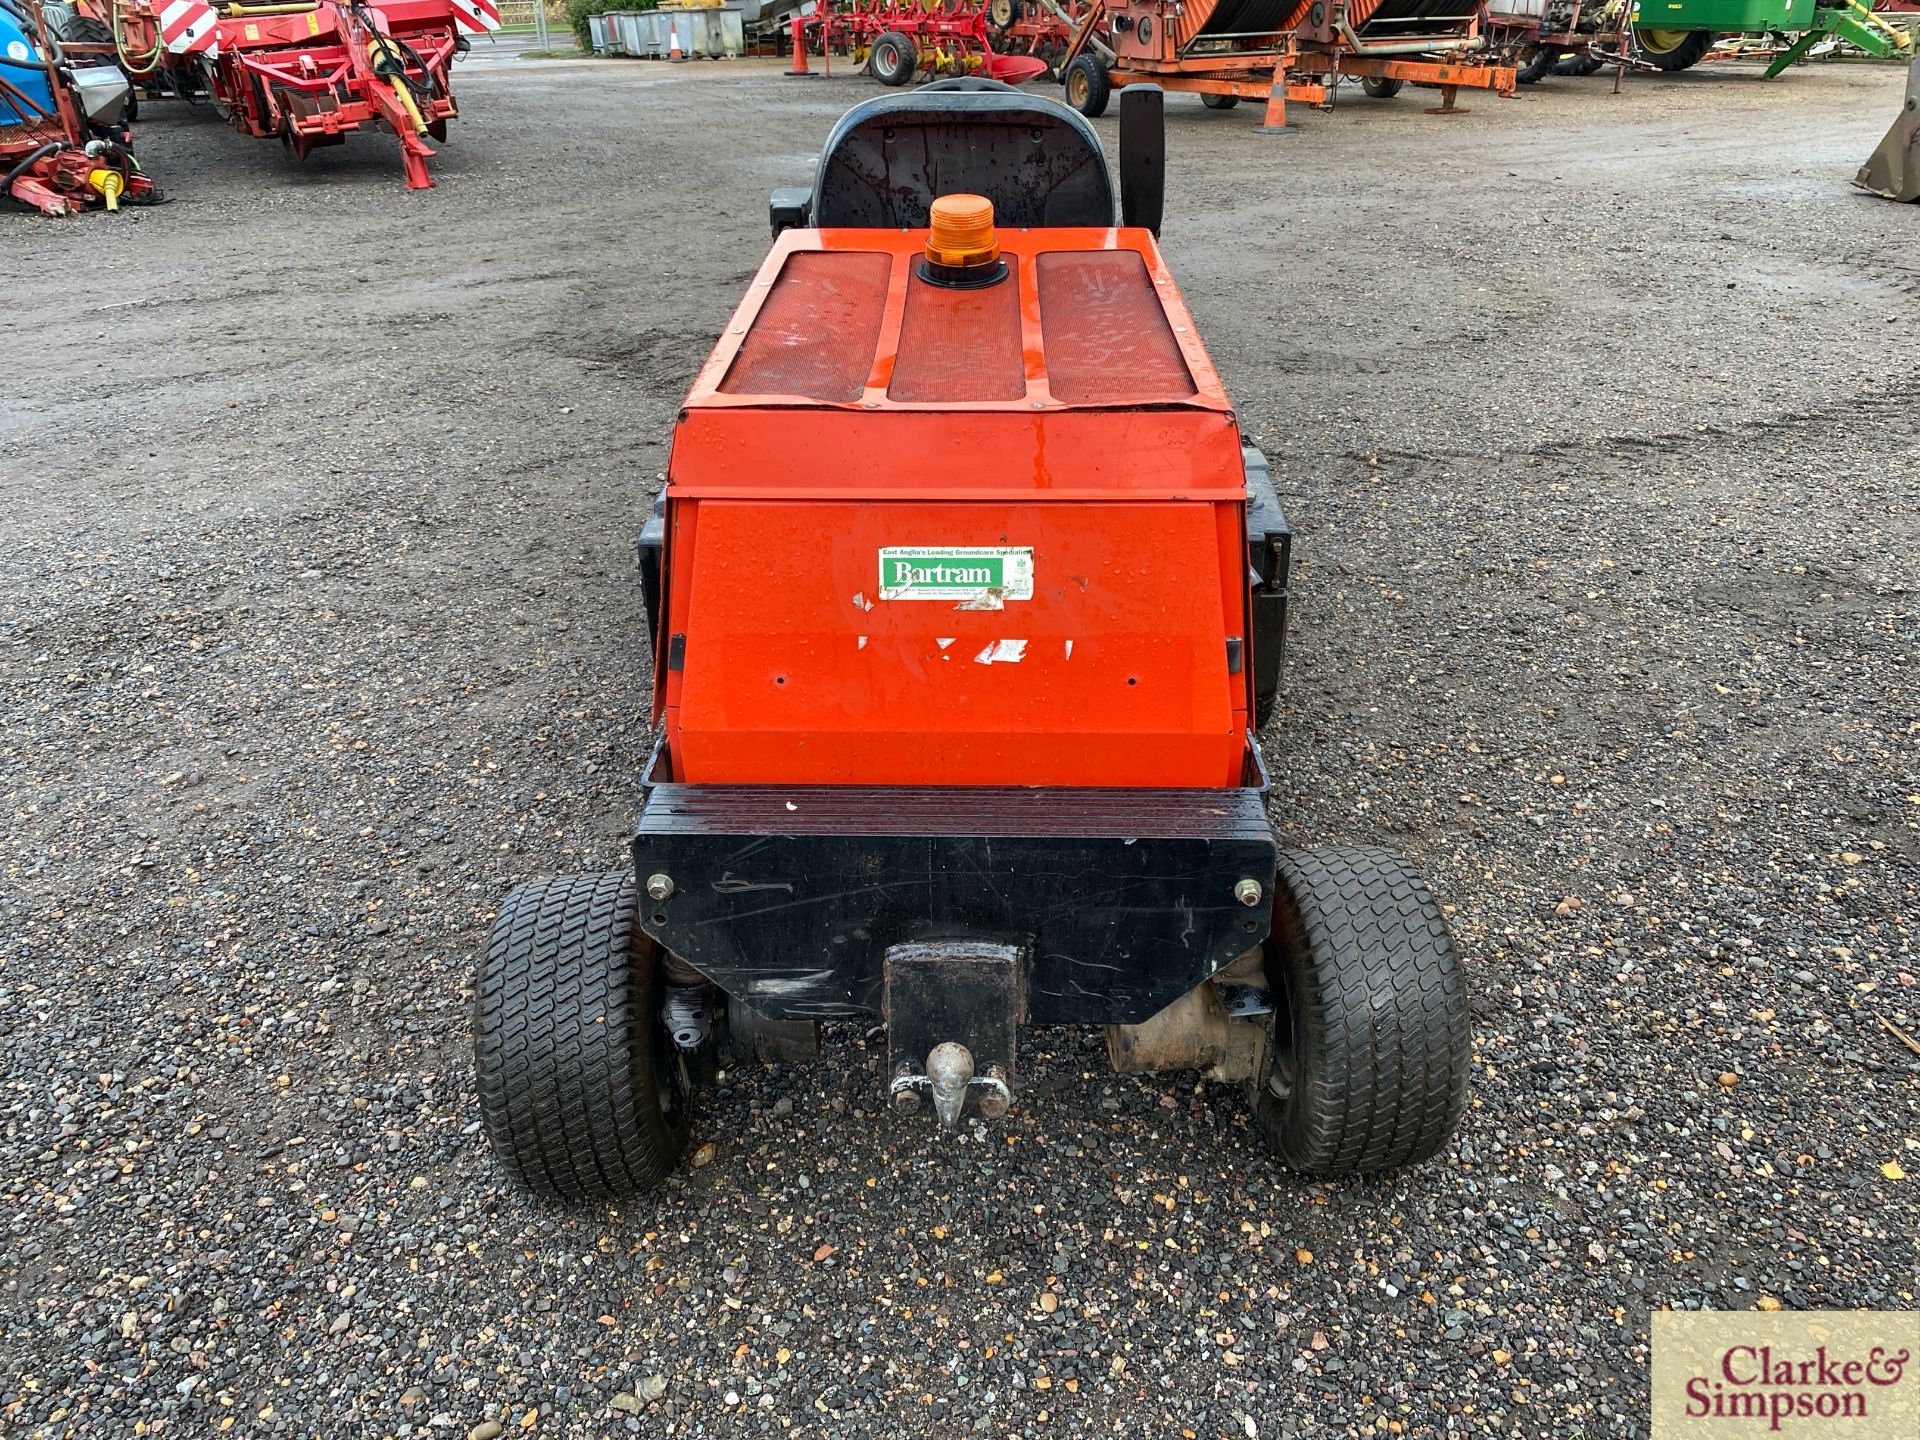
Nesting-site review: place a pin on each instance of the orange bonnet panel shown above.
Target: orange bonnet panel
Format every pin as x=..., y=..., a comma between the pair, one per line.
x=816, y=334
x=1107, y=337
x=921, y=534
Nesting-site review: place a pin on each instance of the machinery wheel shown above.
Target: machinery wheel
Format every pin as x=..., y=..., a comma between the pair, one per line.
x=1577, y=65
x=1220, y=102
x=1366, y=1063
x=1536, y=63
x=893, y=60
x=1379, y=87
x=1673, y=50
x=78, y=29
x=1005, y=14
x=581, y=1093
x=1088, y=86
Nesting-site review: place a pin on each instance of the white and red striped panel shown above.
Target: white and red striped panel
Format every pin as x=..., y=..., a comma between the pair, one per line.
x=476, y=17
x=189, y=27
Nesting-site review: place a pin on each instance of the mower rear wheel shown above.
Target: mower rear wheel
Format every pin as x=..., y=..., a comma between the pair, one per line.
x=1088, y=86
x=582, y=1094
x=1366, y=1062
x=1380, y=87
x=893, y=60
x=1673, y=50
x=1220, y=102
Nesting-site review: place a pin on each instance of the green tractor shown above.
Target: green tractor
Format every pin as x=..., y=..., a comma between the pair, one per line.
x=1675, y=34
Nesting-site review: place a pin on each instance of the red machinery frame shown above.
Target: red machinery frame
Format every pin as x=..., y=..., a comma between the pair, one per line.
x=311, y=72
x=314, y=78
x=1607, y=40
x=1297, y=56
x=949, y=37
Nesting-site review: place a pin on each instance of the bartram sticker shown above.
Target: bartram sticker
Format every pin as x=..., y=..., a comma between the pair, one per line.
x=956, y=572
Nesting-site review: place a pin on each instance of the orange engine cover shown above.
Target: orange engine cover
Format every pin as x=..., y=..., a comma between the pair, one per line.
x=929, y=536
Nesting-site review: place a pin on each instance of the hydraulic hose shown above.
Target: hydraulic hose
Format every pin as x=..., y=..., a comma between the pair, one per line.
x=141, y=65
x=52, y=147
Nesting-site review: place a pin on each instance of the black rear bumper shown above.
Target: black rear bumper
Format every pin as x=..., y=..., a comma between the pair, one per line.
x=1121, y=900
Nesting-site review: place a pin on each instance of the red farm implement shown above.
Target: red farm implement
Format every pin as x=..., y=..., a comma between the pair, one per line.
x=1560, y=37
x=64, y=142
x=312, y=72
x=1006, y=40
x=1280, y=51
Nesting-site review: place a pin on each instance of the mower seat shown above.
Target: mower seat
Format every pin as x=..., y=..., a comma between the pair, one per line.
x=890, y=158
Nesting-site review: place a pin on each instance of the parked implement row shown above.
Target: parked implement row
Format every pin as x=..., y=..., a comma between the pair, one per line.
x=898, y=40
x=1280, y=51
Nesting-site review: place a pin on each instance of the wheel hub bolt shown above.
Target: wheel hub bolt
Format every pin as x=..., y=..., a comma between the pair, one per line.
x=659, y=887
x=1247, y=892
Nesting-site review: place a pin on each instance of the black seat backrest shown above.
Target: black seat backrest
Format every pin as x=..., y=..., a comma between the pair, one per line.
x=890, y=158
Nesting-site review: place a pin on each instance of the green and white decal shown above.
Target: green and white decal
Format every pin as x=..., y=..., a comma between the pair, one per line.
x=956, y=572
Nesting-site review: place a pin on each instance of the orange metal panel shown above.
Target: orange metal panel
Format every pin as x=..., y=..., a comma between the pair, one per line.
x=967, y=453
x=764, y=323
x=817, y=330
x=1107, y=336
x=796, y=668
x=960, y=344
x=855, y=422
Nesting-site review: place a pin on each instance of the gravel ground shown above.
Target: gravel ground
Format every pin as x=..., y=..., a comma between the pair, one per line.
x=319, y=630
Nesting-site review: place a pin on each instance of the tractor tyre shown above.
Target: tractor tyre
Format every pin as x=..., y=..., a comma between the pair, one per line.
x=1577, y=65
x=1088, y=86
x=1673, y=50
x=1380, y=87
x=1220, y=102
x=78, y=29
x=581, y=1092
x=1366, y=1061
x=1536, y=63
x=893, y=60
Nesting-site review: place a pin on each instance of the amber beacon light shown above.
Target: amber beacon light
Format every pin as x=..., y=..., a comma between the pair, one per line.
x=962, y=248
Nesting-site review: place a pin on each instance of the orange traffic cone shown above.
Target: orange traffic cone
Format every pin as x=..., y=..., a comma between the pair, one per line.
x=673, y=42
x=800, y=50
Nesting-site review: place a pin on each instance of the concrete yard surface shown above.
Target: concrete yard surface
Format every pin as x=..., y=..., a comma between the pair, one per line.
x=1597, y=418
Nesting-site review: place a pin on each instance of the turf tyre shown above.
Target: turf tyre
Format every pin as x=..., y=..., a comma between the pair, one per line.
x=1369, y=1048
x=581, y=1093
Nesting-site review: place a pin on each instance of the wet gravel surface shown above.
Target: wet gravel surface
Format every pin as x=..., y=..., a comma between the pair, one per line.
x=319, y=630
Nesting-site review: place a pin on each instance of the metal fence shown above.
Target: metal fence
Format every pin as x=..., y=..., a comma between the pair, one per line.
x=524, y=14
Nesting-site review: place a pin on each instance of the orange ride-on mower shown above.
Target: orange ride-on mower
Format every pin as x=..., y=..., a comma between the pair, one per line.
x=965, y=597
